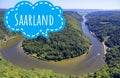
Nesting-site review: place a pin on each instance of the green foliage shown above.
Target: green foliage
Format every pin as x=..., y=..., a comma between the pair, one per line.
x=3, y=30
x=9, y=71
x=113, y=61
x=114, y=39
x=107, y=24
x=104, y=23
x=69, y=43
x=103, y=73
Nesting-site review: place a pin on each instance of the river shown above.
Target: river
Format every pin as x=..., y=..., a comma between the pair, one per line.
x=94, y=60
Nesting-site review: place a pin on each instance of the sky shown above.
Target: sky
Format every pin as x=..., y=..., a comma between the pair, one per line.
x=71, y=4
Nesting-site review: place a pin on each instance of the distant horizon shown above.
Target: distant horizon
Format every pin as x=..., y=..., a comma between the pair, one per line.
x=73, y=4
x=90, y=9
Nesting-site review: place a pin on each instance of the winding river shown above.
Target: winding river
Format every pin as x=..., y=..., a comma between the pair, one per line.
x=92, y=62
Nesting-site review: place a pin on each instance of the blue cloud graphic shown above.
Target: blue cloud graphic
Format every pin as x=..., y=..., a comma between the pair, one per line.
x=34, y=20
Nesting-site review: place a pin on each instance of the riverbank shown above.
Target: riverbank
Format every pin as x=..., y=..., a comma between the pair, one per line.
x=67, y=62
x=103, y=43
x=62, y=63
x=11, y=41
x=16, y=39
x=105, y=48
x=91, y=63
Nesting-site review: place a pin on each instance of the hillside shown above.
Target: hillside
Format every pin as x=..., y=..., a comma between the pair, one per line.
x=106, y=26
x=7, y=70
x=69, y=43
x=4, y=33
x=103, y=23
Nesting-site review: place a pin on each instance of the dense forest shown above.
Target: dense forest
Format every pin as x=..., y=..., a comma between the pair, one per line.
x=104, y=23
x=106, y=26
x=7, y=70
x=69, y=43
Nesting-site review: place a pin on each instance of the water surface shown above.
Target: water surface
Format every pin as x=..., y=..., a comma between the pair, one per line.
x=93, y=62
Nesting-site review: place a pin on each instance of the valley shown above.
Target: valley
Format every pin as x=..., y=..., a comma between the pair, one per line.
x=89, y=64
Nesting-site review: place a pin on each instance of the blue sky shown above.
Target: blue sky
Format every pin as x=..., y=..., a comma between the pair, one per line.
x=71, y=4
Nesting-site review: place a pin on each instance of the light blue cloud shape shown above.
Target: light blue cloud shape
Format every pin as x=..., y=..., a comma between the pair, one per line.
x=34, y=20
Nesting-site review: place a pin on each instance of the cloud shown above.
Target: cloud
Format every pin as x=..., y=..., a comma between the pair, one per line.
x=34, y=20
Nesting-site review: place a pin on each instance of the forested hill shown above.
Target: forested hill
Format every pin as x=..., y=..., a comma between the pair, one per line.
x=4, y=33
x=7, y=70
x=104, y=23
x=106, y=26
x=69, y=43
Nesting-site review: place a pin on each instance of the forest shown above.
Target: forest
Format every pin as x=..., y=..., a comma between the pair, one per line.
x=106, y=26
x=69, y=43
x=7, y=70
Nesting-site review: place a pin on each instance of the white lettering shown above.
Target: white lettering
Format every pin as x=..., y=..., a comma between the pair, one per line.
x=21, y=20
x=16, y=19
x=34, y=20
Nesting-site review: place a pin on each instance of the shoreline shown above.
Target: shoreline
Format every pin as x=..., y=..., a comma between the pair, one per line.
x=105, y=48
x=11, y=41
x=103, y=44
x=62, y=63
x=90, y=64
